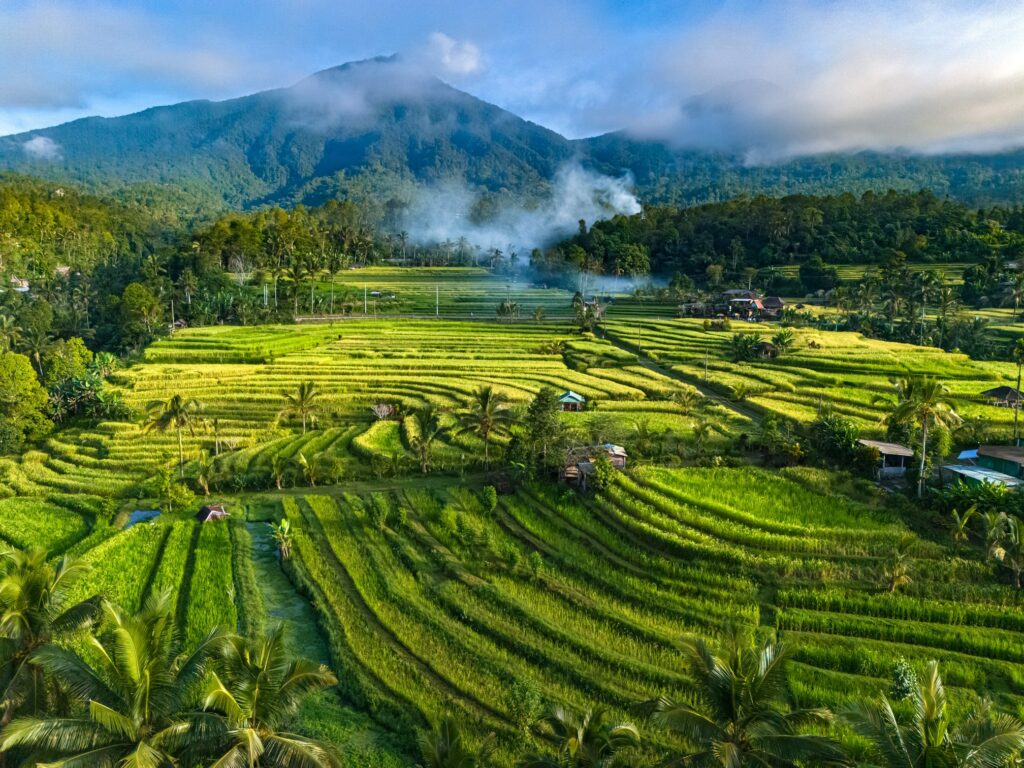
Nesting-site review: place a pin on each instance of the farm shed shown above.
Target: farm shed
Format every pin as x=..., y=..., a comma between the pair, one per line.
x=1008, y=459
x=975, y=475
x=579, y=462
x=212, y=512
x=572, y=401
x=1004, y=397
x=766, y=350
x=773, y=304
x=893, y=457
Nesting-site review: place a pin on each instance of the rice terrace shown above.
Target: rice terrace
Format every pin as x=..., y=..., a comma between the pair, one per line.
x=362, y=422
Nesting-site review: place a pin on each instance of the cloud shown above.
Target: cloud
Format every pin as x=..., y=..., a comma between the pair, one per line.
x=445, y=212
x=454, y=57
x=42, y=148
x=796, y=78
x=62, y=54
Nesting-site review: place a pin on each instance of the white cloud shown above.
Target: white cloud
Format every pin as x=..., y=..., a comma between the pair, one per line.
x=455, y=57
x=797, y=78
x=42, y=148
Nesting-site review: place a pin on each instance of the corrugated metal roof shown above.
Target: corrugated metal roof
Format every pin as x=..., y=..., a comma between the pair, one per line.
x=575, y=397
x=888, y=449
x=983, y=475
x=1009, y=453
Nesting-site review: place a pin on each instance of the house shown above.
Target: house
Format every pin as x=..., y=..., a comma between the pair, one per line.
x=766, y=350
x=62, y=271
x=1008, y=459
x=893, y=457
x=976, y=475
x=572, y=401
x=19, y=285
x=212, y=512
x=739, y=293
x=746, y=307
x=773, y=304
x=580, y=463
x=1004, y=397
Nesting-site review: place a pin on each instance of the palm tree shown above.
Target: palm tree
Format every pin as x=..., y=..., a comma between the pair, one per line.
x=35, y=609
x=35, y=343
x=925, y=402
x=488, y=412
x=927, y=283
x=960, y=530
x=179, y=413
x=687, y=399
x=589, y=740
x=301, y=403
x=784, y=340
x=10, y=334
x=283, y=536
x=1014, y=293
x=896, y=570
x=428, y=428
x=445, y=747
x=134, y=686
x=741, y=346
x=255, y=690
x=738, y=717
x=204, y=471
x=931, y=738
x=1017, y=356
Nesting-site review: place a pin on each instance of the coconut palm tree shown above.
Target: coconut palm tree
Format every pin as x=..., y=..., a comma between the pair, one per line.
x=255, y=690
x=10, y=333
x=301, y=403
x=931, y=737
x=588, y=740
x=1017, y=356
x=36, y=608
x=896, y=570
x=35, y=343
x=204, y=471
x=737, y=715
x=488, y=412
x=446, y=747
x=178, y=413
x=961, y=532
x=427, y=421
x=924, y=402
x=1014, y=294
x=133, y=686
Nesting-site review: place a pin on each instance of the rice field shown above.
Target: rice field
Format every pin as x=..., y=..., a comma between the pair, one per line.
x=840, y=370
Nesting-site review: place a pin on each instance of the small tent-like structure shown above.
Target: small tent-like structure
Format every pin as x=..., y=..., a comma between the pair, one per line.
x=572, y=401
x=212, y=512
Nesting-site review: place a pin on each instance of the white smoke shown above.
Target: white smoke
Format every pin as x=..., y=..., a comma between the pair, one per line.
x=445, y=212
x=41, y=148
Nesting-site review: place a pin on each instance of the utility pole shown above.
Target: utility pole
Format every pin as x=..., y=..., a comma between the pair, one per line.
x=437, y=301
x=364, y=300
x=172, y=315
x=705, y=366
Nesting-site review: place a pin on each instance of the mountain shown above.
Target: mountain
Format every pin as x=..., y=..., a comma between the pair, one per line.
x=376, y=129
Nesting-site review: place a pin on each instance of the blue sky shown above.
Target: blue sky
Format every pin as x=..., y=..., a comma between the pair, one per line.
x=775, y=78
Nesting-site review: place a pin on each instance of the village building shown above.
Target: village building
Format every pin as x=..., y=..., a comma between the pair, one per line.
x=580, y=463
x=766, y=350
x=1003, y=397
x=212, y=512
x=996, y=464
x=893, y=458
x=572, y=401
x=20, y=285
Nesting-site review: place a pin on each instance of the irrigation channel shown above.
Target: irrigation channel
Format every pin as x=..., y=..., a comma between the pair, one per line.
x=282, y=601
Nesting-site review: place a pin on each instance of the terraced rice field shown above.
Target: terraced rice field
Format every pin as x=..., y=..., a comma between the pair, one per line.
x=454, y=607
x=240, y=375
x=844, y=371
